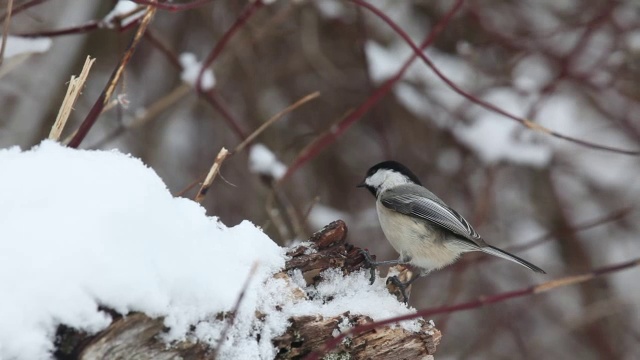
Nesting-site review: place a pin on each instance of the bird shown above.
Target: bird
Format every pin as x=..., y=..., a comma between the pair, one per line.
x=426, y=232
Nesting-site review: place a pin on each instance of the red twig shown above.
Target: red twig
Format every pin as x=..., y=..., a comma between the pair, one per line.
x=21, y=8
x=211, y=97
x=531, y=125
x=73, y=30
x=5, y=29
x=242, y=19
x=329, y=137
x=76, y=30
x=104, y=97
x=479, y=302
x=84, y=28
x=160, y=45
x=614, y=216
x=611, y=217
x=173, y=7
x=214, y=100
x=234, y=311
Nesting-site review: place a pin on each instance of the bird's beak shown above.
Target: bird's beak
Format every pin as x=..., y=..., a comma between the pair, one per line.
x=361, y=185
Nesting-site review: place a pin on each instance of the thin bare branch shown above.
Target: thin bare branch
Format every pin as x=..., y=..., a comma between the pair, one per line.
x=116, y=23
x=71, y=30
x=256, y=133
x=5, y=29
x=104, y=98
x=164, y=49
x=214, y=100
x=209, y=95
x=275, y=118
x=150, y=113
x=605, y=219
x=20, y=8
x=330, y=136
x=215, y=168
x=526, y=122
x=613, y=216
x=482, y=301
x=174, y=7
x=236, y=307
x=242, y=19
x=73, y=92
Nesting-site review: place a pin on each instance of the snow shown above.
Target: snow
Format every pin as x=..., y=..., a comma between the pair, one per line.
x=102, y=229
x=413, y=99
x=353, y=294
x=496, y=139
x=123, y=8
x=493, y=140
x=449, y=161
x=16, y=45
x=263, y=161
x=82, y=229
x=191, y=70
x=385, y=61
x=331, y=9
x=321, y=215
x=632, y=40
x=566, y=114
x=493, y=137
x=625, y=15
x=532, y=73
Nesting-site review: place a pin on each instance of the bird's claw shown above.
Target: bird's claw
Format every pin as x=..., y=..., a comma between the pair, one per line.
x=372, y=265
x=401, y=286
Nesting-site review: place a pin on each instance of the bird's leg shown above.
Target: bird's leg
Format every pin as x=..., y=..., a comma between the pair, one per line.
x=403, y=286
x=374, y=264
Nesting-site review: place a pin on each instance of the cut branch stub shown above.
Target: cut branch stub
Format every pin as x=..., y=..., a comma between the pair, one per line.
x=327, y=249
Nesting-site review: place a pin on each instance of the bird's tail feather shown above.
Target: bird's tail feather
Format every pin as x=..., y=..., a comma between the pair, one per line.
x=505, y=255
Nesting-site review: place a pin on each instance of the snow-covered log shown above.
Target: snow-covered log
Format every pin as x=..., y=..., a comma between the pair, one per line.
x=140, y=336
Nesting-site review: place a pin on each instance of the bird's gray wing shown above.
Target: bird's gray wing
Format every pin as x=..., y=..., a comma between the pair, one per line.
x=418, y=202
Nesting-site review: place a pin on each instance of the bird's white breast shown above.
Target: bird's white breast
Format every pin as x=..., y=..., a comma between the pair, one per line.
x=422, y=244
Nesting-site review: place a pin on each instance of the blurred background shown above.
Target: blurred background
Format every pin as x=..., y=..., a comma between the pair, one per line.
x=570, y=66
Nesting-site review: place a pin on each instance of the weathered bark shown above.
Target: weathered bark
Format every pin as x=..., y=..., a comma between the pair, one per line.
x=137, y=336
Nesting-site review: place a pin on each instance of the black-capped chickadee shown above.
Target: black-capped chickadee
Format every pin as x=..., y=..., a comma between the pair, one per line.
x=426, y=232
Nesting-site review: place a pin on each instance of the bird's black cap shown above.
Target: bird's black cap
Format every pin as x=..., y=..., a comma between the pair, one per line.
x=388, y=165
x=394, y=166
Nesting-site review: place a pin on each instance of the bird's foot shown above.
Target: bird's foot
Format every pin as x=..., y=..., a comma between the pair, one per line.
x=374, y=264
x=401, y=286
x=371, y=263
